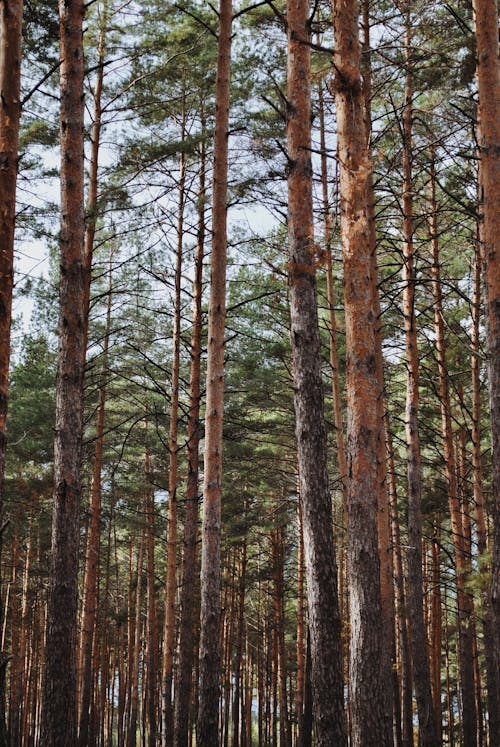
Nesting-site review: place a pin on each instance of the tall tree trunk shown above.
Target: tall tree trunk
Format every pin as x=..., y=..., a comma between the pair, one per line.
x=488, y=77
x=11, y=21
x=171, y=581
x=208, y=715
x=469, y=716
x=321, y=571
x=239, y=610
x=189, y=567
x=91, y=578
x=370, y=686
x=421, y=670
x=59, y=689
x=134, y=653
x=481, y=532
x=436, y=629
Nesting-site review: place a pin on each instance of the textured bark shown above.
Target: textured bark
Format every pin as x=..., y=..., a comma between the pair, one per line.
x=488, y=77
x=321, y=571
x=370, y=687
x=11, y=18
x=421, y=670
x=171, y=580
x=189, y=568
x=208, y=716
x=59, y=690
x=466, y=659
x=91, y=579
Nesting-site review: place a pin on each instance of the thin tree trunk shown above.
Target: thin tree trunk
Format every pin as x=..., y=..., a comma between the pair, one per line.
x=369, y=684
x=488, y=76
x=189, y=568
x=301, y=632
x=152, y=623
x=469, y=716
x=91, y=579
x=421, y=670
x=209, y=675
x=436, y=630
x=59, y=712
x=236, y=668
x=321, y=571
x=402, y=612
x=481, y=533
x=133, y=664
x=171, y=581
x=11, y=21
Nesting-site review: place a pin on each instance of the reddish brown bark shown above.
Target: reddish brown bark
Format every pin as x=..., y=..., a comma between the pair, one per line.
x=59, y=691
x=11, y=20
x=321, y=571
x=370, y=687
x=208, y=716
x=488, y=77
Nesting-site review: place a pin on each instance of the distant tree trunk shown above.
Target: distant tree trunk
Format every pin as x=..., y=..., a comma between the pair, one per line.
x=436, y=630
x=469, y=716
x=152, y=631
x=11, y=21
x=421, y=671
x=134, y=652
x=488, y=76
x=321, y=571
x=189, y=567
x=171, y=580
x=59, y=711
x=401, y=608
x=370, y=685
x=301, y=631
x=92, y=206
x=239, y=611
x=279, y=628
x=208, y=714
x=481, y=532
x=91, y=578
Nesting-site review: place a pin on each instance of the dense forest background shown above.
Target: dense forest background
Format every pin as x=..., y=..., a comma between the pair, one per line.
x=150, y=124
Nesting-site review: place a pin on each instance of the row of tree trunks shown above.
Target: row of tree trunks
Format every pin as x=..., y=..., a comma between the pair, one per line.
x=321, y=571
